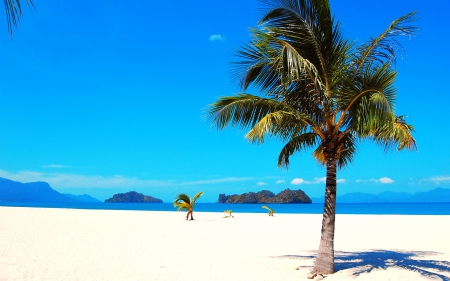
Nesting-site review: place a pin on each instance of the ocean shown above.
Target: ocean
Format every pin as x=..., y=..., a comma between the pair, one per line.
x=314, y=208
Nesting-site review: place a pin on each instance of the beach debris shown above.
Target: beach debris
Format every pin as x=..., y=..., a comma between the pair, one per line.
x=271, y=211
x=229, y=214
x=319, y=277
x=315, y=276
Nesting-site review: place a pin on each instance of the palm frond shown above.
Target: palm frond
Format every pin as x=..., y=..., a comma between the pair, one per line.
x=184, y=202
x=183, y=206
x=13, y=10
x=383, y=49
x=367, y=99
x=396, y=135
x=297, y=144
x=271, y=211
x=347, y=150
x=182, y=197
x=260, y=64
x=311, y=29
x=243, y=110
x=297, y=67
x=270, y=61
x=282, y=124
x=196, y=196
x=229, y=213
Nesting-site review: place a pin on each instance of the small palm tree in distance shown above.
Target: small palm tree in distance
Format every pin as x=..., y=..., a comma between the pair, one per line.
x=184, y=202
x=271, y=211
x=229, y=214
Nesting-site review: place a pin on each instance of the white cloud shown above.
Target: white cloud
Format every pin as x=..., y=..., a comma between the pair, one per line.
x=280, y=181
x=298, y=181
x=385, y=180
x=54, y=166
x=319, y=180
x=80, y=181
x=440, y=179
x=60, y=180
x=214, y=181
x=216, y=37
x=261, y=183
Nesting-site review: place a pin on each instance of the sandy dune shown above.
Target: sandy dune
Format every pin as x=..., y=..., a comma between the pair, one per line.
x=66, y=244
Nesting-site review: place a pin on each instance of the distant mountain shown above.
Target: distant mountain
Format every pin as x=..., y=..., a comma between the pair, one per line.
x=35, y=192
x=359, y=197
x=286, y=196
x=132, y=197
x=82, y=198
x=435, y=195
x=396, y=197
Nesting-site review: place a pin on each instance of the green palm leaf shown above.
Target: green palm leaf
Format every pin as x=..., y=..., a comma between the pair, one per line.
x=243, y=110
x=271, y=211
x=396, y=135
x=196, y=196
x=383, y=49
x=13, y=11
x=297, y=144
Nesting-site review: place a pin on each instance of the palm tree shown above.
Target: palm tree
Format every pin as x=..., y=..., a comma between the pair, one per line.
x=184, y=202
x=271, y=211
x=229, y=214
x=318, y=91
x=14, y=12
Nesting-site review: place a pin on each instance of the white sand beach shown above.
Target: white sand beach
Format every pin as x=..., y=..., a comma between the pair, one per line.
x=68, y=244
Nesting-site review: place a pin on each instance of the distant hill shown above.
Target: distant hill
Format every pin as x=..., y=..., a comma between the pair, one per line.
x=82, y=198
x=435, y=195
x=36, y=192
x=286, y=196
x=132, y=197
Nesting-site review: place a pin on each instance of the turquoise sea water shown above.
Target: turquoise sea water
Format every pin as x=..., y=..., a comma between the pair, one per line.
x=315, y=208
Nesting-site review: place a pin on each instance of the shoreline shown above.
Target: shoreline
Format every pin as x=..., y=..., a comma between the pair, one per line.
x=217, y=212
x=81, y=244
x=314, y=208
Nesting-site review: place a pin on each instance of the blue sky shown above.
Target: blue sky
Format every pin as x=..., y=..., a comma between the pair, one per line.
x=100, y=97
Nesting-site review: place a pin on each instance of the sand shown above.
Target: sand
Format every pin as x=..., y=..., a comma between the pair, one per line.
x=69, y=244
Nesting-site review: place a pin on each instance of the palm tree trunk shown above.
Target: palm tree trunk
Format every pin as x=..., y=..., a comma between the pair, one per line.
x=325, y=256
x=192, y=215
x=187, y=215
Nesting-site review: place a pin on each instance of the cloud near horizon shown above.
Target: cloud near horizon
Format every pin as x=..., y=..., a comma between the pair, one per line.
x=298, y=181
x=216, y=37
x=60, y=180
x=54, y=166
x=440, y=179
x=383, y=180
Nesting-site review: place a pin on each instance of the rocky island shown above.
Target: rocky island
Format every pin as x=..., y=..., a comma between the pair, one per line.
x=286, y=196
x=132, y=197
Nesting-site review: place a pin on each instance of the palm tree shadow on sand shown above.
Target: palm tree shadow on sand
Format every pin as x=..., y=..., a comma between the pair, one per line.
x=365, y=262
